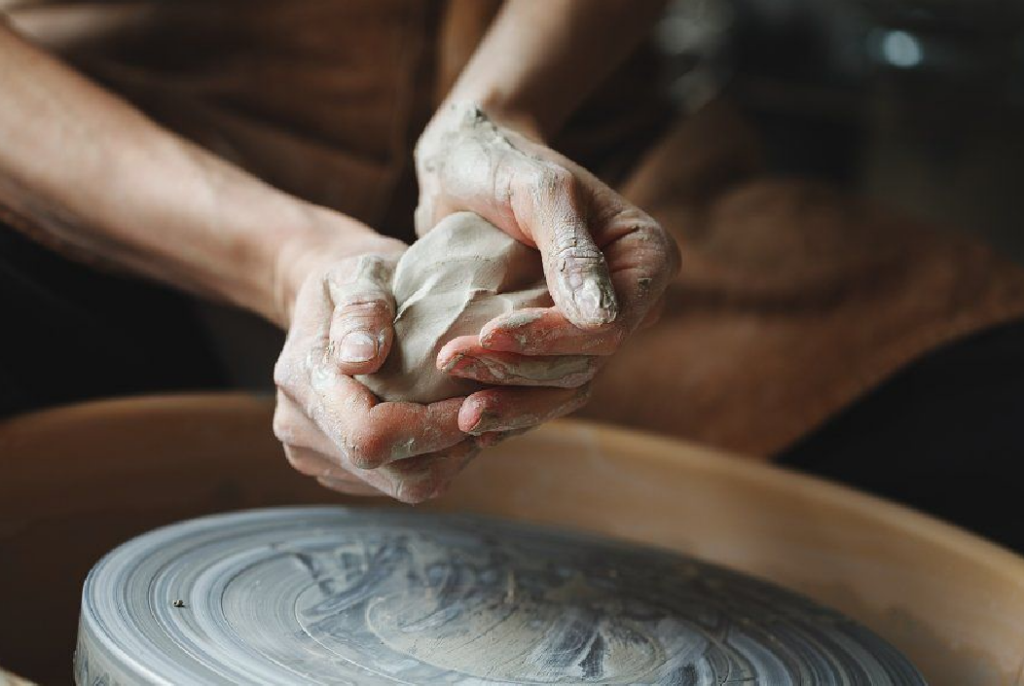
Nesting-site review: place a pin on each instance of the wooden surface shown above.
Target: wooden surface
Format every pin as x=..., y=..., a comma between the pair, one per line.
x=76, y=482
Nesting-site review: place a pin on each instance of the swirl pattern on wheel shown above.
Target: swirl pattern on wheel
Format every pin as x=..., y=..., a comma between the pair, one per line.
x=339, y=596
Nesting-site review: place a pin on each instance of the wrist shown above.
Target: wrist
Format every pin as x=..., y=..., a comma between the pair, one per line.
x=505, y=113
x=456, y=111
x=322, y=238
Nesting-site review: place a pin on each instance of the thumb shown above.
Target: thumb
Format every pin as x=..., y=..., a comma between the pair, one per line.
x=550, y=212
x=481, y=167
x=364, y=312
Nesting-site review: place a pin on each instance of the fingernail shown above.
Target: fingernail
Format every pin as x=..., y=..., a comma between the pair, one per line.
x=474, y=368
x=357, y=346
x=487, y=422
x=594, y=299
x=453, y=363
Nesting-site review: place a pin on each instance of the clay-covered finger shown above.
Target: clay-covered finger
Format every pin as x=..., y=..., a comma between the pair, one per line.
x=642, y=258
x=393, y=431
x=465, y=358
x=515, y=409
x=643, y=267
x=420, y=478
x=534, y=198
x=294, y=429
x=347, y=487
x=412, y=479
x=364, y=311
x=546, y=331
x=547, y=204
x=366, y=433
x=309, y=462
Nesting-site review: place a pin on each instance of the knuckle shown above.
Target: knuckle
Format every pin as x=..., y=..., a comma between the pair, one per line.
x=368, y=277
x=544, y=180
x=573, y=254
x=375, y=269
x=284, y=370
x=284, y=429
x=554, y=179
x=294, y=365
x=363, y=308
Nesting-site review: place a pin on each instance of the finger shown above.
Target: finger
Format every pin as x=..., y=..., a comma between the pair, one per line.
x=294, y=429
x=465, y=358
x=548, y=207
x=644, y=266
x=426, y=476
x=491, y=172
x=327, y=472
x=365, y=433
x=364, y=312
x=643, y=260
x=411, y=480
x=546, y=331
x=355, y=488
x=311, y=453
x=514, y=409
x=309, y=462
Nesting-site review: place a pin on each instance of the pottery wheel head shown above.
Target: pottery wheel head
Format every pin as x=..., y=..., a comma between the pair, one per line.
x=338, y=596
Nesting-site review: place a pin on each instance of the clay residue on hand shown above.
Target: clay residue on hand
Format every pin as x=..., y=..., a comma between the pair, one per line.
x=558, y=372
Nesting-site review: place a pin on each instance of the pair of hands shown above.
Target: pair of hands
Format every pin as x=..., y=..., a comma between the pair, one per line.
x=607, y=265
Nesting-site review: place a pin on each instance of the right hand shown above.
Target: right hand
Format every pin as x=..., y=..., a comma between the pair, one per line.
x=332, y=427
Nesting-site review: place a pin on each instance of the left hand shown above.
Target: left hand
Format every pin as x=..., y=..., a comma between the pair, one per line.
x=337, y=303
x=606, y=262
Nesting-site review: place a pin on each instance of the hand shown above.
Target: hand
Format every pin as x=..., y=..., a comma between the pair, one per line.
x=332, y=427
x=607, y=265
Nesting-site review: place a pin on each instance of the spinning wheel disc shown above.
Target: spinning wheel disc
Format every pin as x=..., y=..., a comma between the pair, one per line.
x=338, y=596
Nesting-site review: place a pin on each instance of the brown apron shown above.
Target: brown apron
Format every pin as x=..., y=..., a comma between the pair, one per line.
x=793, y=301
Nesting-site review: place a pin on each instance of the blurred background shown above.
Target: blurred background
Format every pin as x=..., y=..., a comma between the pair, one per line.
x=918, y=103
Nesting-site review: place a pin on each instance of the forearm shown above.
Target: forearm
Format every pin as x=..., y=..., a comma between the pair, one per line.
x=542, y=58
x=91, y=173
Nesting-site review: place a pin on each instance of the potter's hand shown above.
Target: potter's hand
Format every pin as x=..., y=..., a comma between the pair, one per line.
x=331, y=426
x=606, y=262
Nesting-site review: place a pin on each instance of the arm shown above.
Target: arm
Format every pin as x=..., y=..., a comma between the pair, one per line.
x=607, y=262
x=540, y=60
x=92, y=175
x=83, y=170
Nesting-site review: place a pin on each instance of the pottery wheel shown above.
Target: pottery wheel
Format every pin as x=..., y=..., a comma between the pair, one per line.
x=340, y=596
